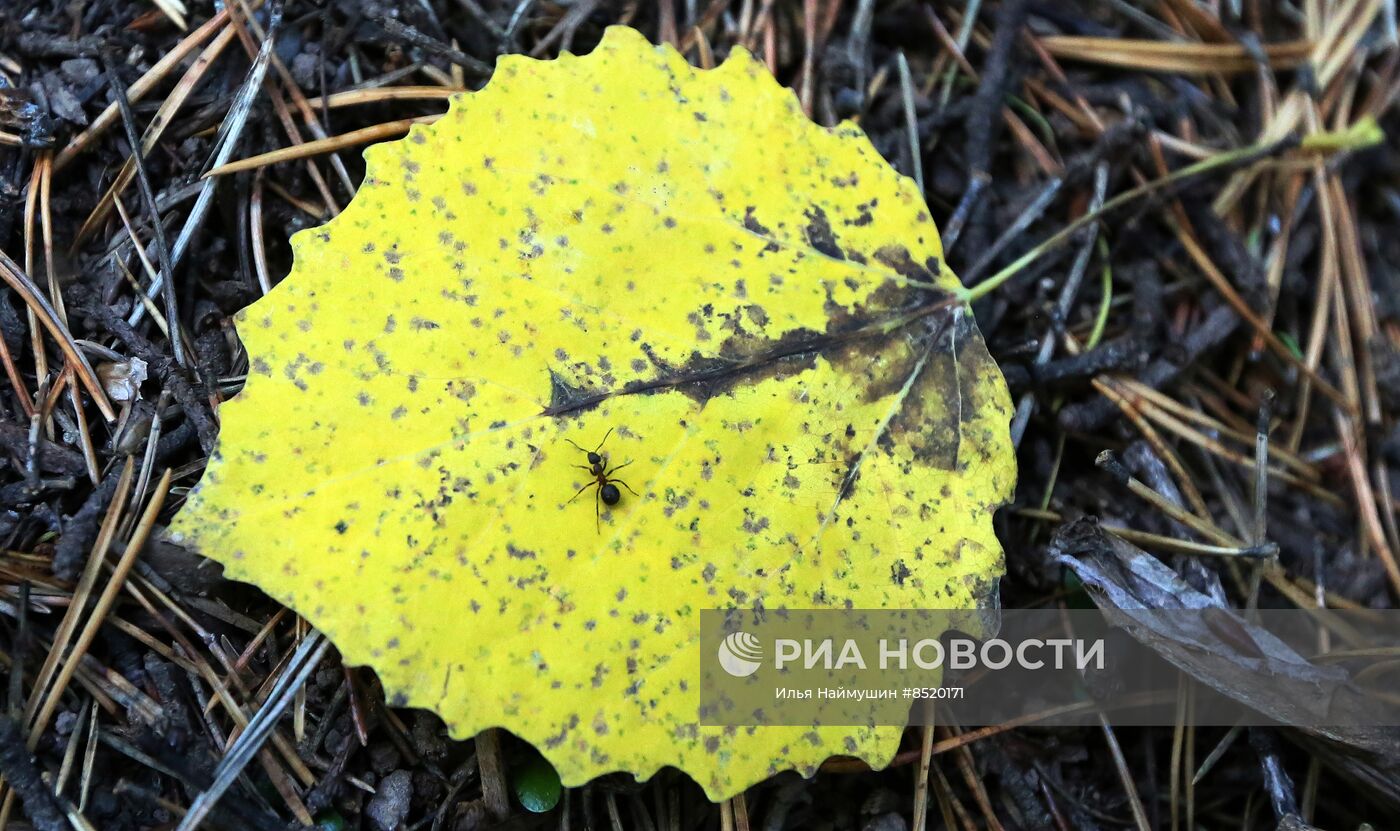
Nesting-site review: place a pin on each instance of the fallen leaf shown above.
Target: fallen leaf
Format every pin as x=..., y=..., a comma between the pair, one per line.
x=749, y=312
x=1237, y=658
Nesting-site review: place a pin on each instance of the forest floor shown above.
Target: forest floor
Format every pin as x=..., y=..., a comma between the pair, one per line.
x=1265, y=293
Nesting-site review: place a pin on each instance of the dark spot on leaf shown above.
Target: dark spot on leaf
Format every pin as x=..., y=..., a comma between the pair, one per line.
x=565, y=396
x=751, y=222
x=819, y=235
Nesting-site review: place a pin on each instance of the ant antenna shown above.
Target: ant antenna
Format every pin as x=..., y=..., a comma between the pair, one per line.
x=596, y=449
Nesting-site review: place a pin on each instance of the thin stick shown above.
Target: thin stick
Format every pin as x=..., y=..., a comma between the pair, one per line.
x=911, y=122
x=1109, y=463
x=84, y=432
x=364, y=135
x=1226, y=159
x=16, y=380
x=255, y=226
x=353, y=97
x=1261, y=328
x=307, y=658
x=963, y=757
x=143, y=85
x=19, y=281
x=81, y=592
x=1121, y=763
x=247, y=26
x=1163, y=56
x=921, y=778
x=36, y=332
x=159, y=123
x=143, y=182
x=45, y=167
x=1366, y=499
x=224, y=146
x=150, y=270
x=99, y=612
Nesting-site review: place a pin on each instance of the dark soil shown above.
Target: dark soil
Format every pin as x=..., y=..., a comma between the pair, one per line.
x=1009, y=157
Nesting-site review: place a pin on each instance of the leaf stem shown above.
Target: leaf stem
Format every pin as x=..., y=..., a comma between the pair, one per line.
x=1101, y=319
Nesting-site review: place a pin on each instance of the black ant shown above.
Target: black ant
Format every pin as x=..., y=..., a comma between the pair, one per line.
x=604, y=481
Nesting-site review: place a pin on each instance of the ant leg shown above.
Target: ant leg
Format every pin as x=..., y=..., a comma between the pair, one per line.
x=625, y=485
x=616, y=469
x=580, y=490
x=584, y=467
x=597, y=511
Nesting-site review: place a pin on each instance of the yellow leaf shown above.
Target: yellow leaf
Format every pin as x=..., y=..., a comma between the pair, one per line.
x=753, y=305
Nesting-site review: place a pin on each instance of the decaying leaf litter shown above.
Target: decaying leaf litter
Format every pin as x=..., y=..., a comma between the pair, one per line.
x=1165, y=327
